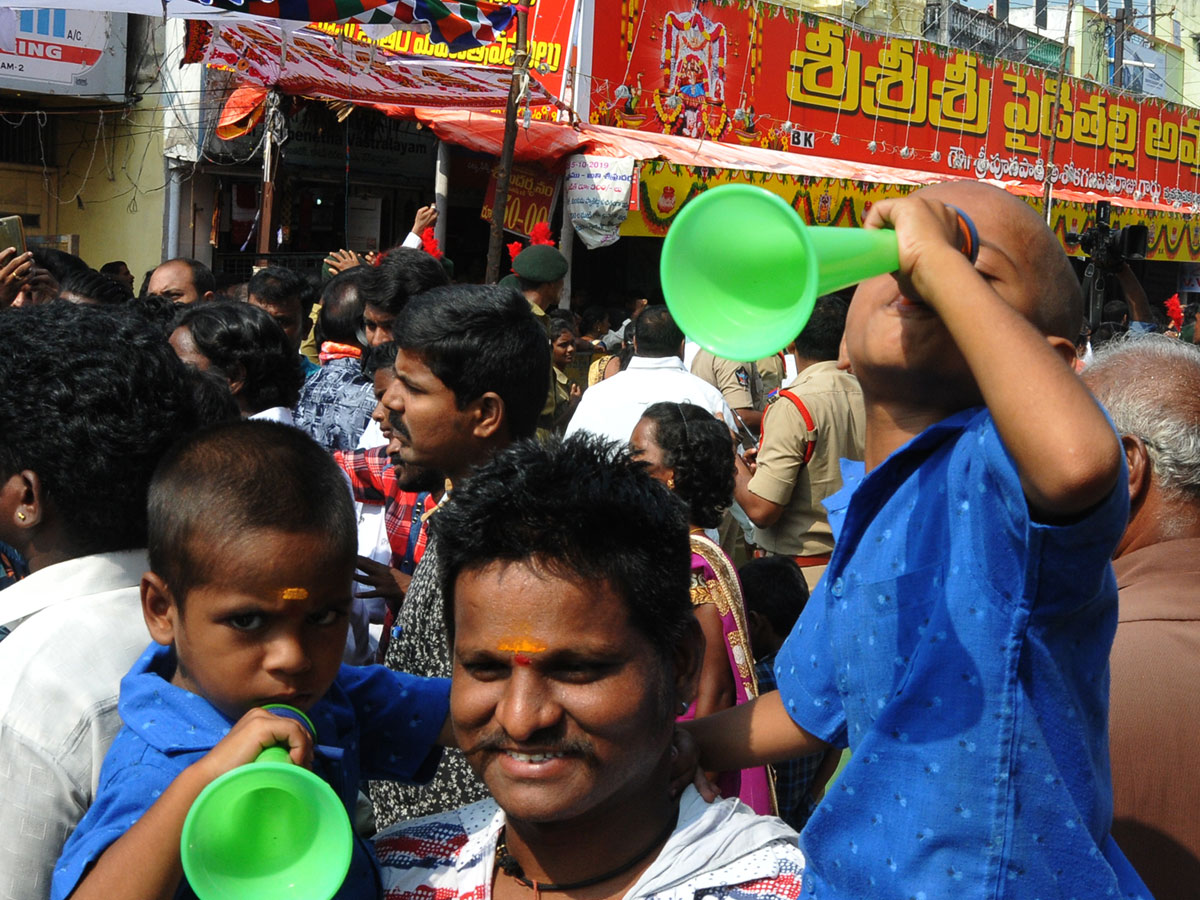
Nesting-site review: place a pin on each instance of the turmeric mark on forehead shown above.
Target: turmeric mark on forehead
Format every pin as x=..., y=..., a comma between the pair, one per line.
x=293, y=593
x=522, y=646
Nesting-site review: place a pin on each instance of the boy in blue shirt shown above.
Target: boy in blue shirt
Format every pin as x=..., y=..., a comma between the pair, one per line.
x=958, y=643
x=252, y=544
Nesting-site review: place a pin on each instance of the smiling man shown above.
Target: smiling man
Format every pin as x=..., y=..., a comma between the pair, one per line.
x=574, y=648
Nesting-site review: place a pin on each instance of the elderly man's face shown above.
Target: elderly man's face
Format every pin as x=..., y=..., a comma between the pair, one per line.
x=560, y=704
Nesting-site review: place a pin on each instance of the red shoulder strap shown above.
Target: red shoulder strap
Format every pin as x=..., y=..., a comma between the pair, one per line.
x=810, y=446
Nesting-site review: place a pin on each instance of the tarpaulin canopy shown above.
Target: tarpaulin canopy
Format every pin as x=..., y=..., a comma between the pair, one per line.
x=312, y=64
x=460, y=24
x=547, y=142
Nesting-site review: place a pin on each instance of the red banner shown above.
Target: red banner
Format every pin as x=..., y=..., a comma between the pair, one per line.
x=767, y=76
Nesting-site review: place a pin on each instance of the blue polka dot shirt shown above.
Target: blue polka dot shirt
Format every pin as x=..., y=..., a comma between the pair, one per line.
x=960, y=650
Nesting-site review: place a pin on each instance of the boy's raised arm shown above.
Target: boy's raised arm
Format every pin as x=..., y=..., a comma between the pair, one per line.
x=144, y=863
x=1065, y=450
x=752, y=734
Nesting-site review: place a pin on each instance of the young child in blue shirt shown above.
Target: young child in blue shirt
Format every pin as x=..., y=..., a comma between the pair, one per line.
x=958, y=642
x=252, y=544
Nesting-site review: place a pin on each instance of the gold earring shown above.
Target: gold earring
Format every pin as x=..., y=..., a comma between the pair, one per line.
x=671, y=484
x=21, y=516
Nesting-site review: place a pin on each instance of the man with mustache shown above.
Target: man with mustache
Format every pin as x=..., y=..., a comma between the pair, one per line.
x=574, y=647
x=380, y=479
x=472, y=370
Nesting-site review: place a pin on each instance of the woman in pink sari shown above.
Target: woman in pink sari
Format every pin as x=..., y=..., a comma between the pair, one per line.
x=691, y=452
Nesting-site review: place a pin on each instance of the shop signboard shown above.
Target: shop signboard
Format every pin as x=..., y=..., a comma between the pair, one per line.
x=63, y=52
x=767, y=76
x=532, y=194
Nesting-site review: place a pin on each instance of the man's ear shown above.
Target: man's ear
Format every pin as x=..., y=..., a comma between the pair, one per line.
x=1140, y=467
x=23, y=490
x=489, y=416
x=237, y=379
x=1065, y=349
x=843, y=359
x=208, y=296
x=159, y=609
x=688, y=658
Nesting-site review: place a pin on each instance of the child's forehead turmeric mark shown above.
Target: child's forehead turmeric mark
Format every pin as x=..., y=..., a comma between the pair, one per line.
x=523, y=645
x=293, y=593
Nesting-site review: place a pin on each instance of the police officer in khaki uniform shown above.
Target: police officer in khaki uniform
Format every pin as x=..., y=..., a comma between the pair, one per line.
x=540, y=271
x=738, y=382
x=809, y=426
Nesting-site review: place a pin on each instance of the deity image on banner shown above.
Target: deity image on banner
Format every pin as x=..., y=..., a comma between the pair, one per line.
x=693, y=59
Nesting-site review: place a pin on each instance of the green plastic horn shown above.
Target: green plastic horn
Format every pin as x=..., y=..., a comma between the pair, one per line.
x=741, y=271
x=268, y=830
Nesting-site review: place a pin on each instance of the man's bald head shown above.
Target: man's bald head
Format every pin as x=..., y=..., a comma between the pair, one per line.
x=1150, y=385
x=1053, y=298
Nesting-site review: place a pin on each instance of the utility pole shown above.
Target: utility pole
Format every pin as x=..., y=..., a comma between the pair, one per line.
x=1062, y=70
x=516, y=90
x=274, y=134
x=1119, y=23
x=944, y=22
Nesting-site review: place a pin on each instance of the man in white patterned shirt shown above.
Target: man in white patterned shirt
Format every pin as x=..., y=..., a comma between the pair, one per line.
x=574, y=648
x=89, y=400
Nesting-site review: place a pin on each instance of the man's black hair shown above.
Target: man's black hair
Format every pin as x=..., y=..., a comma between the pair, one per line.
x=700, y=450
x=228, y=480
x=403, y=273
x=656, y=333
x=90, y=399
x=113, y=268
x=774, y=587
x=58, y=263
x=381, y=356
x=477, y=338
x=90, y=286
x=1114, y=311
x=237, y=336
x=203, y=279
x=822, y=336
x=340, y=318
x=555, y=504
x=278, y=286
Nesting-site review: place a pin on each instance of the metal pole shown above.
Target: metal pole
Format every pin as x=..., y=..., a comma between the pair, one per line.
x=173, y=204
x=1062, y=68
x=944, y=23
x=441, y=192
x=566, y=244
x=1120, y=22
x=520, y=78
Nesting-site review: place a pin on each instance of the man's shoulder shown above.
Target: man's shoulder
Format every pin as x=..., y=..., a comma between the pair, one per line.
x=448, y=850
x=93, y=641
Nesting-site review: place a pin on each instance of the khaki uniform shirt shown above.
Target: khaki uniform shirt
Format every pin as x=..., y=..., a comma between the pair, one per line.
x=738, y=382
x=549, y=415
x=772, y=370
x=834, y=400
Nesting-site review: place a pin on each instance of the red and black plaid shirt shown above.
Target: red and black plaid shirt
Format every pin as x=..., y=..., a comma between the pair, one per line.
x=373, y=480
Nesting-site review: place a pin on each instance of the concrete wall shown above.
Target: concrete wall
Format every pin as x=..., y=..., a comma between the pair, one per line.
x=111, y=186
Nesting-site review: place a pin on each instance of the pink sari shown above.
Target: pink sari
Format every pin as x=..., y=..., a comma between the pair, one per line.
x=715, y=581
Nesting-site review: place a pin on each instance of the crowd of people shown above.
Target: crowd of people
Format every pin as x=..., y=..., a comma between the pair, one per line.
x=574, y=606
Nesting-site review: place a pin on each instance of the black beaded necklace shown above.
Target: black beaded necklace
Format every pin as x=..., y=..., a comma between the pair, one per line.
x=508, y=864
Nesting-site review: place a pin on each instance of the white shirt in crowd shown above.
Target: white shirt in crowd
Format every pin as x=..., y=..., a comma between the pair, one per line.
x=77, y=627
x=612, y=407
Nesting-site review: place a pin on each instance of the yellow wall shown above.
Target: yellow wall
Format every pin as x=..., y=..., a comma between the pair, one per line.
x=114, y=162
